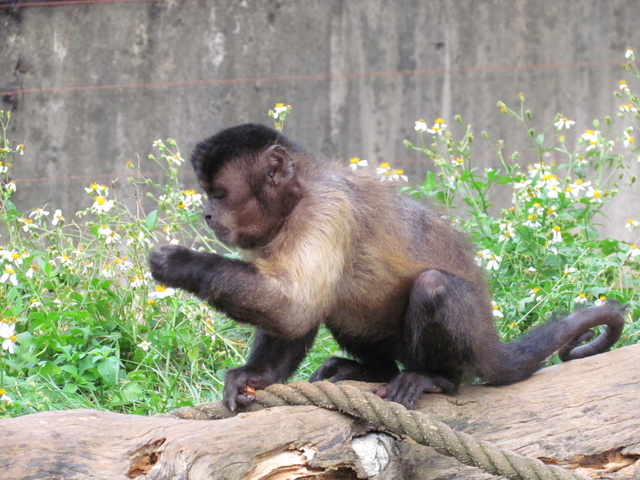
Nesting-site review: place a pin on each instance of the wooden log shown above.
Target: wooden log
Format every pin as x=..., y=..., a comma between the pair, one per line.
x=584, y=414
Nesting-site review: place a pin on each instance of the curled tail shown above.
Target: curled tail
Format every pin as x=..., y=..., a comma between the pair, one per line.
x=610, y=314
x=520, y=359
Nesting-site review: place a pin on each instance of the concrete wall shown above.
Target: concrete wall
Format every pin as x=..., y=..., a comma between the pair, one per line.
x=99, y=82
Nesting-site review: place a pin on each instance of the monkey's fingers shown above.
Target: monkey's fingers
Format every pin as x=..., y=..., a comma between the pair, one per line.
x=382, y=392
x=246, y=395
x=245, y=399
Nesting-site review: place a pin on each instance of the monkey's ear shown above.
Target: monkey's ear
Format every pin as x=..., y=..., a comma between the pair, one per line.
x=278, y=165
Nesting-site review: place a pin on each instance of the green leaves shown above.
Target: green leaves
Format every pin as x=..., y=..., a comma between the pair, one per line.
x=90, y=326
x=537, y=226
x=151, y=221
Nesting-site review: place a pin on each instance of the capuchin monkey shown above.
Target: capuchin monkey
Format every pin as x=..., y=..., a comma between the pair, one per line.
x=391, y=279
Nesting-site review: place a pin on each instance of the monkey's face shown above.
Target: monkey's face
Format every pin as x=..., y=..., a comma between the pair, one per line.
x=246, y=208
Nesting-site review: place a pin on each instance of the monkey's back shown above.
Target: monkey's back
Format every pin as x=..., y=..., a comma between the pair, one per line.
x=390, y=239
x=420, y=235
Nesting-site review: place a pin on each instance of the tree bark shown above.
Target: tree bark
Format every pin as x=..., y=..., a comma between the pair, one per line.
x=583, y=414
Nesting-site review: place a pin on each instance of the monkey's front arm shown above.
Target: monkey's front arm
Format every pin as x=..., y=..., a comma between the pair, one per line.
x=232, y=286
x=239, y=290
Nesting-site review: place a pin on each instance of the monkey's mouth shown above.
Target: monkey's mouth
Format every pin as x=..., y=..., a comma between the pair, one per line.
x=222, y=234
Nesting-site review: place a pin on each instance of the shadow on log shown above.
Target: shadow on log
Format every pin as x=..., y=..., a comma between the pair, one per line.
x=584, y=415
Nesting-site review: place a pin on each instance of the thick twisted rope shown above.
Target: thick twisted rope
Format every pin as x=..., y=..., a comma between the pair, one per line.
x=397, y=419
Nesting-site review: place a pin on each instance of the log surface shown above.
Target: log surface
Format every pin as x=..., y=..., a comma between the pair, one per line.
x=584, y=414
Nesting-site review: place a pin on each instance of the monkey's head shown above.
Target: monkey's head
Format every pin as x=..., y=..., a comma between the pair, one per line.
x=250, y=179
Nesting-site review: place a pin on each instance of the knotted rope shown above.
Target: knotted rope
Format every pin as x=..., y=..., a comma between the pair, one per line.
x=397, y=419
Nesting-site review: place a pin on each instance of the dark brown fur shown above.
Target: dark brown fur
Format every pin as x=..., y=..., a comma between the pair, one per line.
x=388, y=276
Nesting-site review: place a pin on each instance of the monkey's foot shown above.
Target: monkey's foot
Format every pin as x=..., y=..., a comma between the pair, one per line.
x=336, y=369
x=407, y=387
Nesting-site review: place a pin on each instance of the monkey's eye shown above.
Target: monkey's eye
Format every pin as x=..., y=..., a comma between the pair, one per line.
x=217, y=193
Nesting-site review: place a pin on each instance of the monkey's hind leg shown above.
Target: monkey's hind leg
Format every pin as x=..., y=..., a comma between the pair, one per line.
x=375, y=362
x=437, y=343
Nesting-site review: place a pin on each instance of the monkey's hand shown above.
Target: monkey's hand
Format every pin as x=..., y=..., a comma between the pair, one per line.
x=240, y=385
x=182, y=267
x=336, y=369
